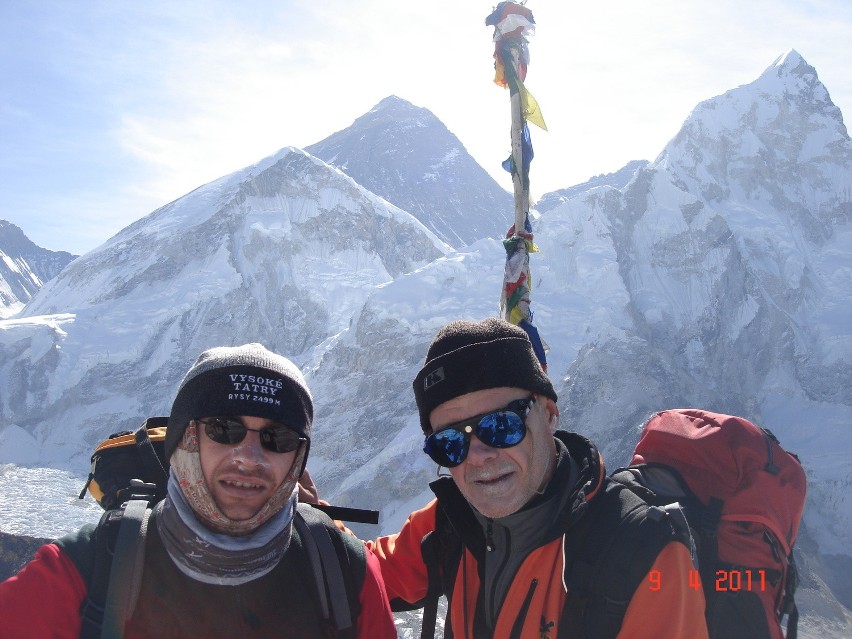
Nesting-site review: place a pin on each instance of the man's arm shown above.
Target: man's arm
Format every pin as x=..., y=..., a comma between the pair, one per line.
x=375, y=620
x=400, y=559
x=308, y=492
x=43, y=600
x=669, y=603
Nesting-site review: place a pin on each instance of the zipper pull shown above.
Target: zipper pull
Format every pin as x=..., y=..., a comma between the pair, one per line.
x=489, y=538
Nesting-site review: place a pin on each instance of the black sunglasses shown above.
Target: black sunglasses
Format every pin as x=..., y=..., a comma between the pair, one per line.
x=277, y=437
x=502, y=428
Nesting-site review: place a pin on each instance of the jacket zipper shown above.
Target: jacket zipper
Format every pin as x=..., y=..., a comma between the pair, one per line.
x=522, y=614
x=490, y=546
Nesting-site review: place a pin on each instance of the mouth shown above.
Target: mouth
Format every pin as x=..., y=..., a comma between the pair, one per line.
x=241, y=484
x=493, y=480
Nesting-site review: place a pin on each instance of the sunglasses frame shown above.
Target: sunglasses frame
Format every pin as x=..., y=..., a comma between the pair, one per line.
x=468, y=427
x=266, y=444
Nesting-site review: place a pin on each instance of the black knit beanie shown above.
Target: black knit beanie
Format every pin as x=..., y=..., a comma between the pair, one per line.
x=250, y=380
x=471, y=356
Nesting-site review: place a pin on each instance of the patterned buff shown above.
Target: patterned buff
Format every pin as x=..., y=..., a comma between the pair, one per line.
x=222, y=560
x=186, y=468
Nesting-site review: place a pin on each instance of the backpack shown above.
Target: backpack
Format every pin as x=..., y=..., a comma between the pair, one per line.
x=124, y=457
x=128, y=477
x=743, y=497
x=604, y=564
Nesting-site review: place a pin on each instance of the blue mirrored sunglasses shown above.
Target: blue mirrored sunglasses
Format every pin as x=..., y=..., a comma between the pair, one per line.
x=503, y=428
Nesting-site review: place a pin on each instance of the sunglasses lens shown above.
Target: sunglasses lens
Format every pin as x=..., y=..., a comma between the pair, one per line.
x=447, y=448
x=224, y=431
x=279, y=439
x=503, y=429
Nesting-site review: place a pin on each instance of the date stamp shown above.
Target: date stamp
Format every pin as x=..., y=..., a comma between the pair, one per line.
x=726, y=580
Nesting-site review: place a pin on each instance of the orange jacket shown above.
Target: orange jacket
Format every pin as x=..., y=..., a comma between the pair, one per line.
x=669, y=603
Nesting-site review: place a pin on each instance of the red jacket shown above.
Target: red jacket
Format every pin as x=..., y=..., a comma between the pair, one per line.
x=43, y=601
x=668, y=604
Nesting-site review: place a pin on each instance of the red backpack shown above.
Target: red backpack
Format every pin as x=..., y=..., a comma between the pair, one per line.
x=743, y=496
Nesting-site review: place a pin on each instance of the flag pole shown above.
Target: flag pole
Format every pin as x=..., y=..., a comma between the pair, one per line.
x=522, y=192
x=512, y=23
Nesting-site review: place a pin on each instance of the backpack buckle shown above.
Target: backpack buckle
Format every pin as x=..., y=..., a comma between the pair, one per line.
x=138, y=489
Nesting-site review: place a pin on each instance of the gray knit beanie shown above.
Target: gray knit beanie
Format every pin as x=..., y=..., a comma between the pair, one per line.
x=229, y=381
x=471, y=356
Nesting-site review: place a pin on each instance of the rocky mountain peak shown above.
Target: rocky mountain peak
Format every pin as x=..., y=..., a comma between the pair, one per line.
x=24, y=267
x=404, y=154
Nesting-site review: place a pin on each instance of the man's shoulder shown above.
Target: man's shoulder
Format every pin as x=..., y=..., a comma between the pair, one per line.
x=83, y=535
x=336, y=558
x=620, y=524
x=317, y=526
x=80, y=547
x=617, y=503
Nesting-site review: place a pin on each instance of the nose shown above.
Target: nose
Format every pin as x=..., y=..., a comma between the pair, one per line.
x=249, y=450
x=480, y=453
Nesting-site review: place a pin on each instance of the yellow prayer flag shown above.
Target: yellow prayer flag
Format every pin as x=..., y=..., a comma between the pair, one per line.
x=515, y=316
x=531, y=110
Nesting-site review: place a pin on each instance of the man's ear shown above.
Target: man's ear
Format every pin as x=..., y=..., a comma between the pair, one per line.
x=552, y=415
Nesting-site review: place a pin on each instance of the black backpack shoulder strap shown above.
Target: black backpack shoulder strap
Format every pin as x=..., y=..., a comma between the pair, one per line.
x=128, y=564
x=120, y=532
x=338, y=566
x=608, y=553
x=430, y=550
x=788, y=603
x=441, y=550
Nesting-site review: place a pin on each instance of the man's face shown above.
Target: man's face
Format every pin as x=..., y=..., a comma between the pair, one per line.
x=499, y=481
x=242, y=477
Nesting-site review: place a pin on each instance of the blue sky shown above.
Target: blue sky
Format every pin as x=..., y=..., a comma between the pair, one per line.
x=110, y=109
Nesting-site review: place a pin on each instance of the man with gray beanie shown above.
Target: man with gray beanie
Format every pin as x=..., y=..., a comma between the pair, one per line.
x=222, y=557
x=510, y=533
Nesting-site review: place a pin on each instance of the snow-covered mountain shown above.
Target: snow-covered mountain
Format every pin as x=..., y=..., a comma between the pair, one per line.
x=24, y=268
x=406, y=155
x=723, y=267
x=284, y=252
x=716, y=276
x=730, y=259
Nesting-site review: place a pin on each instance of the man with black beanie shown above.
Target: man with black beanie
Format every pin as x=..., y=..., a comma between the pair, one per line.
x=225, y=554
x=523, y=504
